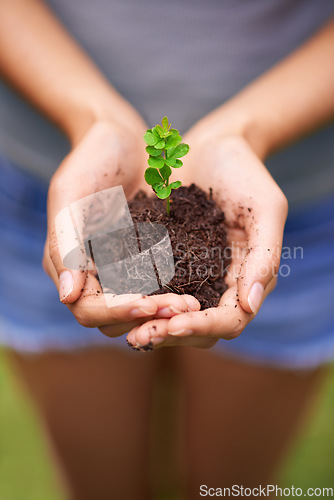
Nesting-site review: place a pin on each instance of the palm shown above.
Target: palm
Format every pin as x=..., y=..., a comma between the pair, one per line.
x=255, y=212
x=213, y=170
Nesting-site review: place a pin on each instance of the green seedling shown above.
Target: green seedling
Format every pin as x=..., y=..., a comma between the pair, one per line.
x=165, y=148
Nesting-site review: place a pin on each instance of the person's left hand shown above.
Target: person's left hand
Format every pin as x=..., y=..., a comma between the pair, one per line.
x=108, y=155
x=255, y=212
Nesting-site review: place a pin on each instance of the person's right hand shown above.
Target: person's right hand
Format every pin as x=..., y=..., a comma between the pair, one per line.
x=255, y=211
x=109, y=154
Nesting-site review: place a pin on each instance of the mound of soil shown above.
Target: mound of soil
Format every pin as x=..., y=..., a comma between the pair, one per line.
x=198, y=238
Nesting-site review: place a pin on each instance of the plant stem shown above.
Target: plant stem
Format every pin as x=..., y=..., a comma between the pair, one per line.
x=167, y=182
x=168, y=206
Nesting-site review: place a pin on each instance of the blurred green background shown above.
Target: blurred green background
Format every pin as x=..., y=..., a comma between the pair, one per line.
x=26, y=473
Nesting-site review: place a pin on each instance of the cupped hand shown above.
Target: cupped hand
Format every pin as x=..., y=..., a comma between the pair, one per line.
x=255, y=213
x=109, y=154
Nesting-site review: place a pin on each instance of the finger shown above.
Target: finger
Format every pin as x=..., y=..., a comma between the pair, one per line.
x=47, y=264
x=63, y=239
x=68, y=282
x=91, y=309
x=144, y=334
x=226, y=321
x=119, y=329
x=261, y=262
x=170, y=304
x=70, y=211
x=154, y=335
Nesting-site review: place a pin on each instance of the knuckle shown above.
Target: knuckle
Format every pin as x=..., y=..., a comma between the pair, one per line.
x=53, y=248
x=109, y=331
x=118, y=316
x=56, y=182
x=84, y=319
x=236, y=330
x=45, y=264
x=271, y=285
x=273, y=262
x=282, y=202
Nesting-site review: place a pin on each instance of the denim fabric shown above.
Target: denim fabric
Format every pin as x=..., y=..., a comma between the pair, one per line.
x=294, y=328
x=32, y=318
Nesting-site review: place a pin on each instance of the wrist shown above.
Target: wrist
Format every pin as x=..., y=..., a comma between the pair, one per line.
x=257, y=126
x=232, y=120
x=109, y=107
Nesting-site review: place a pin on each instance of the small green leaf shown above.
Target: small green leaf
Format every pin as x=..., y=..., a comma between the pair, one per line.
x=165, y=123
x=178, y=164
x=156, y=162
x=152, y=151
x=165, y=147
x=152, y=176
x=181, y=150
x=170, y=162
x=160, y=145
x=173, y=141
x=159, y=130
x=155, y=133
x=166, y=172
x=163, y=192
x=149, y=138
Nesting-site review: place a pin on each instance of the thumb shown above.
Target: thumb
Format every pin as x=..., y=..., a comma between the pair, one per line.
x=261, y=262
x=70, y=282
x=67, y=263
x=66, y=259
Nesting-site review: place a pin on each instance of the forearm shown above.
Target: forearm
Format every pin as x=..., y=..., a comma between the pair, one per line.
x=40, y=59
x=293, y=98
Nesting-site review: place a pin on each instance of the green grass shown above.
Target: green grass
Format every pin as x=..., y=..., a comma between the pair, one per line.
x=25, y=470
x=26, y=473
x=311, y=463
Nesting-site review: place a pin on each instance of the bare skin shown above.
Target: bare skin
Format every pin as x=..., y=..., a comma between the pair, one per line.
x=235, y=422
x=262, y=118
x=241, y=417
x=96, y=408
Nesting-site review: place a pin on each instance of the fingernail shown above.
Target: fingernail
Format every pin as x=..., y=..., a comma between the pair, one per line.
x=134, y=347
x=131, y=345
x=192, y=303
x=141, y=348
x=183, y=331
x=143, y=307
x=255, y=297
x=139, y=312
x=166, y=311
x=176, y=310
x=65, y=285
x=147, y=347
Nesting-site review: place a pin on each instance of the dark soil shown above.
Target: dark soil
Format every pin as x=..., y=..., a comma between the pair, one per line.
x=198, y=237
